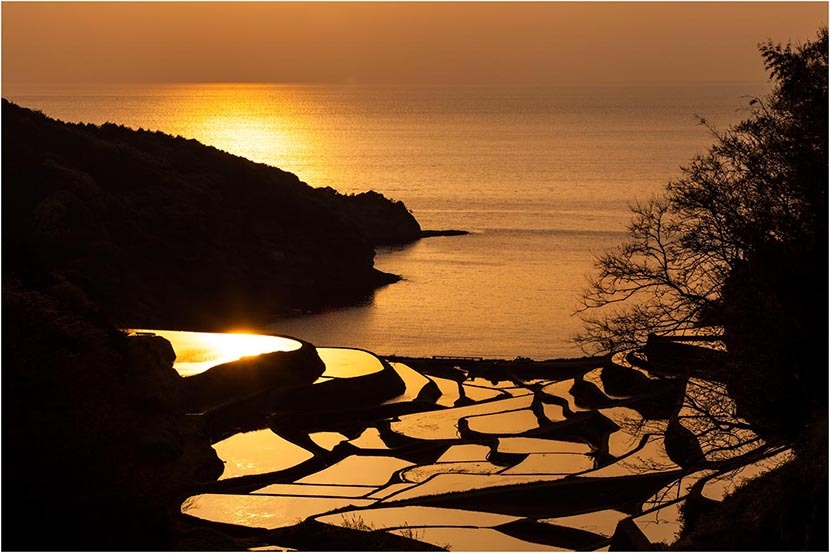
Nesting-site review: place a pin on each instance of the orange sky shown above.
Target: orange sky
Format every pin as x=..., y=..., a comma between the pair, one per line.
x=395, y=42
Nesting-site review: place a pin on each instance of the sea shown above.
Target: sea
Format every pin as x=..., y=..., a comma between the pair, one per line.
x=542, y=177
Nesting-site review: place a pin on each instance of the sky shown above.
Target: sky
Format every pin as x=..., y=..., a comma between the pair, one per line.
x=69, y=43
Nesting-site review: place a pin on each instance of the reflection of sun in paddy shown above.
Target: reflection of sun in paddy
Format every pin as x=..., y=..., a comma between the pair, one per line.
x=198, y=351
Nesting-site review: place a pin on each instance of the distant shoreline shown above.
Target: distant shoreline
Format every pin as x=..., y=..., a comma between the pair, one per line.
x=449, y=232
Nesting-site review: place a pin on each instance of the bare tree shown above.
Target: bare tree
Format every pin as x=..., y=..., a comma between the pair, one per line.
x=761, y=188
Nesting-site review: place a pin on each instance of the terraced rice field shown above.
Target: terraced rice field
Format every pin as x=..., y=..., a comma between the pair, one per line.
x=487, y=456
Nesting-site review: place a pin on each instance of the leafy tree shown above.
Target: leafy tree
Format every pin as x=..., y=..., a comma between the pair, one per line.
x=739, y=244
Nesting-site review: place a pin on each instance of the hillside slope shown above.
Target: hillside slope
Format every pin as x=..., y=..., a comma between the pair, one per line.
x=162, y=231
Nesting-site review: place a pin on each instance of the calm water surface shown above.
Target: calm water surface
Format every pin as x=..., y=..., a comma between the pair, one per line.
x=541, y=176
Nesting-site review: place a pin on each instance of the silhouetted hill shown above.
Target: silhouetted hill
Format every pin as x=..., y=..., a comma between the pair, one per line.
x=162, y=230
x=107, y=227
x=95, y=436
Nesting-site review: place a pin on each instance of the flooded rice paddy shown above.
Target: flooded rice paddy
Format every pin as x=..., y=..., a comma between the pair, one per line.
x=489, y=456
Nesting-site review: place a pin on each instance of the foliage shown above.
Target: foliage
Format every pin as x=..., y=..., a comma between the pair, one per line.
x=739, y=244
x=161, y=230
x=760, y=190
x=783, y=510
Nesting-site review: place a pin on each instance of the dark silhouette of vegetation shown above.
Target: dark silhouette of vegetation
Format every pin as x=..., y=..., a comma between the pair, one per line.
x=97, y=451
x=108, y=228
x=785, y=510
x=739, y=246
x=160, y=230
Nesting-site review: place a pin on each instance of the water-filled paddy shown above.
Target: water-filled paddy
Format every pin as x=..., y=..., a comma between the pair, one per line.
x=358, y=470
x=511, y=444
x=413, y=380
x=443, y=424
x=552, y=463
x=198, y=351
x=263, y=511
x=348, y=363
x=470, y=462
x=598, y=522
x=397, y=517
x=258, y=452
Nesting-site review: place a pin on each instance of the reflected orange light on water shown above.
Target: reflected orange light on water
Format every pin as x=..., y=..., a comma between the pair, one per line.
x=348, y=363
x=259, y=122
x=198, y=351
x=275, y=124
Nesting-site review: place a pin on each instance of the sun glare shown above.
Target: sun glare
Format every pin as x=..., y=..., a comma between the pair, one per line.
x=198, y=351
x=260, y=122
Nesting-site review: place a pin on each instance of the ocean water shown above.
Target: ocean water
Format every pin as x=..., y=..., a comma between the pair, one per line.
x=542, y=177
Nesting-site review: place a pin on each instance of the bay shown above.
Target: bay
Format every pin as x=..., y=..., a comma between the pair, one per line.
x=542, y=177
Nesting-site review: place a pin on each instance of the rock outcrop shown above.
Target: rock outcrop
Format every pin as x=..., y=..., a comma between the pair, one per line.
x=384, y=222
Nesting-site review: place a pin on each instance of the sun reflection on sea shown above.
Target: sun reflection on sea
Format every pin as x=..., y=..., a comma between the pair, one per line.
x=255, y=121
x=275, y=124
x=241, y=132
x=198, y=351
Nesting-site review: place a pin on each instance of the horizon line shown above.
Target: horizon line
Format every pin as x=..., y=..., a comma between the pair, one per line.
x=367, y=84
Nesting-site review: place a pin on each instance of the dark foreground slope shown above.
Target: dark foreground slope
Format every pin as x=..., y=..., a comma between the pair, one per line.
x=163, y=231
x=106, y=227
x=96, y=446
